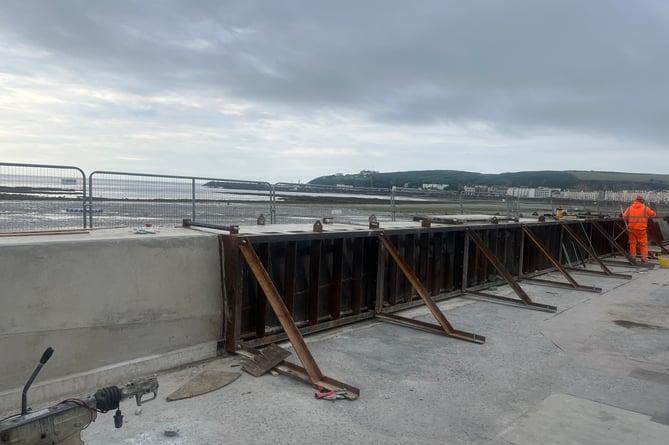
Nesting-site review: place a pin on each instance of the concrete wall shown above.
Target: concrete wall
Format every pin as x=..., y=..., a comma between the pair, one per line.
x=112, y=304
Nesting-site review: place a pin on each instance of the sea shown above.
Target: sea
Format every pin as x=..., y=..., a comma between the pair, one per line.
x=38, y=203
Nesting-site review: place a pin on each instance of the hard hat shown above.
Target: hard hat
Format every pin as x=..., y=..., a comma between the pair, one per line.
x=640, y=198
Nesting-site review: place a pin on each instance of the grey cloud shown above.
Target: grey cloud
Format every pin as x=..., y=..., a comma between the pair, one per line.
x=594, y=67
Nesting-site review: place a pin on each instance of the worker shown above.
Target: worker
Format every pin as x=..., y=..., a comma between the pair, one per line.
x=559, y=213
x=636, y=217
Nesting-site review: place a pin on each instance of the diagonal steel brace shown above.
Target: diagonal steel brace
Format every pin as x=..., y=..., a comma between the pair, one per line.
x=557, y=265
x=590, y=252
x=444, y=327
x=525, y=300
x=311, y=372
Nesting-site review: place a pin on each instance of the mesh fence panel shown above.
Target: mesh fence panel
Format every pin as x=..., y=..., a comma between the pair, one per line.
x=300, y=203
x=39, y=197
x=138, y=199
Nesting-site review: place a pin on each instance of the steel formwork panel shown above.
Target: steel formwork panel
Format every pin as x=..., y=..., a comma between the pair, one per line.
x=341, y=275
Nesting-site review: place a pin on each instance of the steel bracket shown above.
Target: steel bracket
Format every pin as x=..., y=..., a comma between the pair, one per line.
x=444, y=327
x=619, y=248
x=572, y=282
x=311, y=373
x=592, y=254
x=525, y=300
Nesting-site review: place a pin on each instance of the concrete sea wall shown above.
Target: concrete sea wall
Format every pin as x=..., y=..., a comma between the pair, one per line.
x=112, y=303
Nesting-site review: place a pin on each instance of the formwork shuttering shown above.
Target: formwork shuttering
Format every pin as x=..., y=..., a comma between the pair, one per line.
x=343, y=274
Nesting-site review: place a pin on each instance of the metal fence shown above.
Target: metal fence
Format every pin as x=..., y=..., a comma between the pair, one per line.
x=134, y=199
x=299, y=203
x=37, y=197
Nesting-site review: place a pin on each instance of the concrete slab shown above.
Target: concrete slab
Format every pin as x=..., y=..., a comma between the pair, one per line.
x=561, y=419
x=109, y=302
x=422, y=388
x=93, y=235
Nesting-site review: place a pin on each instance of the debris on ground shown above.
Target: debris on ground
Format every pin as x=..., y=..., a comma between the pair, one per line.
x=205, y=382
x=268, y=358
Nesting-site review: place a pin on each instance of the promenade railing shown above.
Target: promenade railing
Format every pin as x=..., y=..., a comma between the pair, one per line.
x=137, y=199
x=36, y=197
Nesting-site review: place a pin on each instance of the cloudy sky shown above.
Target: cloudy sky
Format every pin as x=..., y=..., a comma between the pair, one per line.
x=294, y=89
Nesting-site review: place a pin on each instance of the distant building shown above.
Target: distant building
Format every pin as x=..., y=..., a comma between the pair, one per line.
x=434, y=186
x=580, y=195
x=484, y=190
x=521, y=192
x=534, y=193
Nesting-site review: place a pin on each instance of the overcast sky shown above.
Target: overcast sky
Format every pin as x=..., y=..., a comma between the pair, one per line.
x=289, y=90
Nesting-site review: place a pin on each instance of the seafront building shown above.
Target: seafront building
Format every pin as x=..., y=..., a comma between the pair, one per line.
x=580, y=195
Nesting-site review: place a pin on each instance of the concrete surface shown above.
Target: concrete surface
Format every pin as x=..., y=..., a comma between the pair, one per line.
x=562, y=419
x=110, y=303
x=595, y=372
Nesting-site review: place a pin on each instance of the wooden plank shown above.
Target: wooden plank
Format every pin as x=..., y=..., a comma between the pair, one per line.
x=268, y=358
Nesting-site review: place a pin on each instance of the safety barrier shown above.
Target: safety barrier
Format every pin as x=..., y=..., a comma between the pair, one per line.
x=134, y=199
x=36, y=197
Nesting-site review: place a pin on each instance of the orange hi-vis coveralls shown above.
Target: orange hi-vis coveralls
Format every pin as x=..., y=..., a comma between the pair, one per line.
x=637, y=216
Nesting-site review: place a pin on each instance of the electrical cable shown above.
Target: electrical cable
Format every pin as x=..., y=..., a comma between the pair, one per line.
x=83, y=404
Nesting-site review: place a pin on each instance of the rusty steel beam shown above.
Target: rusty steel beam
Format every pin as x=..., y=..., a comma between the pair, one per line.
x=305, y=330
x=430, y=327
x=313, y=372
x=233, y=279
x=513, y=301
x=599, y=273
x=618, y=247
x=557, y=265
x=314, y=280
x=357, y=273
x=524, y=298
x=298, y=372
x=590, y=252
x=445, y=326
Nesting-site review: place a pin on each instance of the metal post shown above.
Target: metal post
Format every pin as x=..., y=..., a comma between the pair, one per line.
x=272, y=204
x=193, y=190
x=392, y=203
x=90, y=200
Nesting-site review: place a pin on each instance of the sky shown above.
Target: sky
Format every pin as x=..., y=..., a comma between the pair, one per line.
x=290, y=90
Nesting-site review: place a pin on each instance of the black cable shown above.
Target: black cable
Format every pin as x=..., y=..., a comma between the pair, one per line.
x=9, y=417
x=83, y=404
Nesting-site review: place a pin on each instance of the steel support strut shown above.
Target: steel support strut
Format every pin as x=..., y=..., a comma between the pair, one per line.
x=525, y=300
x=592, y=254
x=572, y=282
x=444, y=327
x=615, y=244
x=311, y=372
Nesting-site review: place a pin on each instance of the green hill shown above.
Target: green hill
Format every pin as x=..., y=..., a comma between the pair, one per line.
x=456, y=180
